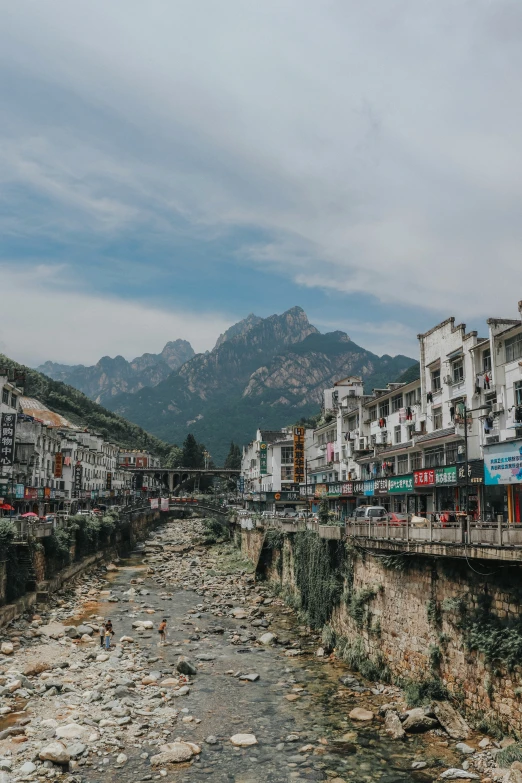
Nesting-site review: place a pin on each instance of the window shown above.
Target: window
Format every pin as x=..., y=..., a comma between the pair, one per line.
x=287, y=473
x=434, y=457
x=486, y=360
x=412, y=397
x=514, y=348
x=517, y=389
x=352, y=423
x=452, y=450
x=457, y=370
x=397, y=434
x=435, y=380
x=437, y=418
x=373, y=413
x=396, y=403
x=287, y=455
x=416, y=460
x=411, y=431
x=402, y=464
x=5, y=396
x=384, y=409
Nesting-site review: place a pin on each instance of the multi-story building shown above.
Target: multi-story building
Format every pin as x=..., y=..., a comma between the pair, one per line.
x=270, y=468
x=10, y=394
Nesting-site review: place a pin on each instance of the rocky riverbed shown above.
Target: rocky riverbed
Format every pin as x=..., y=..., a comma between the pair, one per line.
x=237, y=694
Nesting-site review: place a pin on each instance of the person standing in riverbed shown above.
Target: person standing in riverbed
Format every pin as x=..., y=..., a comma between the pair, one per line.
x=162, y=630
x=102, y=633
x=108, y=633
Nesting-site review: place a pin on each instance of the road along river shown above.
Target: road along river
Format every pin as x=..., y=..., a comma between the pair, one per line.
x=71, y=711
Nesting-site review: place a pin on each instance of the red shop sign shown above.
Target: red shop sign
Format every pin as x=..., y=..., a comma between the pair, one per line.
x=424, y=478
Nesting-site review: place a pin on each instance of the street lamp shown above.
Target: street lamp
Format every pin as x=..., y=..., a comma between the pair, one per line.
x=466, y=459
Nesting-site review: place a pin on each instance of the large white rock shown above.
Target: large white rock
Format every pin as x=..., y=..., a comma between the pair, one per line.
x=71, y=731
x=458, y=774
x=27, y=768
x=268, y=638
x=173, y=753
x=55, y=752
x=7, y=648
x=243, y=740
x=359, y=714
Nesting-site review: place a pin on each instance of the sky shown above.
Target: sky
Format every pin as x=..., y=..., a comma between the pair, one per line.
x=168, y=167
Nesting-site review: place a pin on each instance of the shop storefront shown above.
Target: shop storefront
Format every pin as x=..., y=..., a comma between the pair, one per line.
x=475, y=490
x=503, y=470
x=424, y=485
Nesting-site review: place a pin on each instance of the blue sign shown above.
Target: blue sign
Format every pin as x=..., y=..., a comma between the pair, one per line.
x=369, y=488
x=503, y=463
x=19, y=491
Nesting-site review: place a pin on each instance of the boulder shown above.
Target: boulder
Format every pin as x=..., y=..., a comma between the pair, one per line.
x=243, y=740
x=360, y=714
x=462, y=747
x=417, y=721
x=239, y=613
x=121, y=759
x=170, y=682
x=76, y=749
x=173, y=753
x=393, y=725
x=55, y=752
x=183, y=691
x=71, y=731
x=450, y=720
x=185, y=666
x=85, y=629
x=458, y=774
x=268, y=638
x=72, y=632
x=7, y=648
x=28, y=768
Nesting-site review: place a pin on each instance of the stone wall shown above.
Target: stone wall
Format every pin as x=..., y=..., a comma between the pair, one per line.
x=252, y=544
x=416, y=615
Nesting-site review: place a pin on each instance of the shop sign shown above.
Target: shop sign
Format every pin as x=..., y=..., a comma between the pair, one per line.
x=164, y=504
x=7, y=438
x=445, y=476
x=77, y=481
x=142, y=462
x=19, y=491
x=58, y=465
x=40, y=493
x=241, y=484
x=282, y=496
x=358, y=487
x=369, y=488
x=47, y=493
x=334, y=489
x=53, y=494
x=30, y=493
x=475, y=472
x=154, y=503
x=320, y=490
x=263, y=459
x=137, y=482
x=347, y=489
x=424, y=478
x=381, y=486
x=400, y=484
x=108, y=482
x=299, y=458
x=503, y=463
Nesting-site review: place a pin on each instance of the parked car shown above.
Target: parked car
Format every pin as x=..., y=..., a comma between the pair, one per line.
x=396, y=519
x=369, y=514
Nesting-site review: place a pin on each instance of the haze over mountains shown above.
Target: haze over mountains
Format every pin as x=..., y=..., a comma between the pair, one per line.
x=265, y=372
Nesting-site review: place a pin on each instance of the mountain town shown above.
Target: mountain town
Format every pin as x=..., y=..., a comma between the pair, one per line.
x=260, y=392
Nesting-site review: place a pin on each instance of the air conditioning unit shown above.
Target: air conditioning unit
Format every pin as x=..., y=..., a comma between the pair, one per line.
x=448, y=380
x=498, y=407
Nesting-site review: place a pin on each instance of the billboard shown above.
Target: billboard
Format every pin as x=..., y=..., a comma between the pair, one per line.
x=503, y=463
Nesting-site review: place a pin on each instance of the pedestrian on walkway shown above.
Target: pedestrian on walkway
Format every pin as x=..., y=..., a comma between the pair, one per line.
x=162, y=630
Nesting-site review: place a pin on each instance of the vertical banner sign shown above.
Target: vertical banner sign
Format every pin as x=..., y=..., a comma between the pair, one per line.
x=241, y=484
x=263, y=459
x=154, y=503
x=137, y=482
x=7, y=439
x=299, y=457
x=78, y=481
x=164, y=504
x=58, y=465
x=108, y=484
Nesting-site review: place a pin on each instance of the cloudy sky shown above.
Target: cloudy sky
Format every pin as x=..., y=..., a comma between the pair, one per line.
x=168, y=167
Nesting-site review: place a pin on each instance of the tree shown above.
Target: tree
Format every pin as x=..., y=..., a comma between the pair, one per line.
x=324, y=512
x=192, y=454
x=174, y=458
x=233, y=460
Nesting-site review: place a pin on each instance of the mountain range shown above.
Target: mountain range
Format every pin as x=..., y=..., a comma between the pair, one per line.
x=263, y=372
x=110, y=377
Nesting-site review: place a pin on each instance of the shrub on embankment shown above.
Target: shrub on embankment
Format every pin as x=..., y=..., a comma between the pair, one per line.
x=83, y=536
x=17, y=567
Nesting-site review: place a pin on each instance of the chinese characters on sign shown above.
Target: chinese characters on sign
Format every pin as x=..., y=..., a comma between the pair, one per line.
x=58, y=465
x=400, y=484
x=164, y=504
x=108, y=484
x=154, y=503
x=424, y=478
x=445, y=476
x=299, y=458
x=263, y=459
x=141, y=462
x=7, y=439
x=78, y=480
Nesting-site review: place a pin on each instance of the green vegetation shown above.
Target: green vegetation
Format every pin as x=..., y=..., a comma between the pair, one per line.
x=84, y=535
x=394, y=562
x=509, y=755
x=328, y=637
x=233, y=460
x=411, y=374
x=434, y=656
x=418, y=693
x=358, y=605
x=433, y=612
x=317, y=569
x=214, y=530
x=456, y=605
x=354, y=654
x=17, y=560
x=82, y=411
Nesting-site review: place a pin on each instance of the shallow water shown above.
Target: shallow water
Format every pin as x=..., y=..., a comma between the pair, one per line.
x=227, y=706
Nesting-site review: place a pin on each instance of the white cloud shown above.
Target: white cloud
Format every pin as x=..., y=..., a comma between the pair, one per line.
x=43, y=318
x=376, y=143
